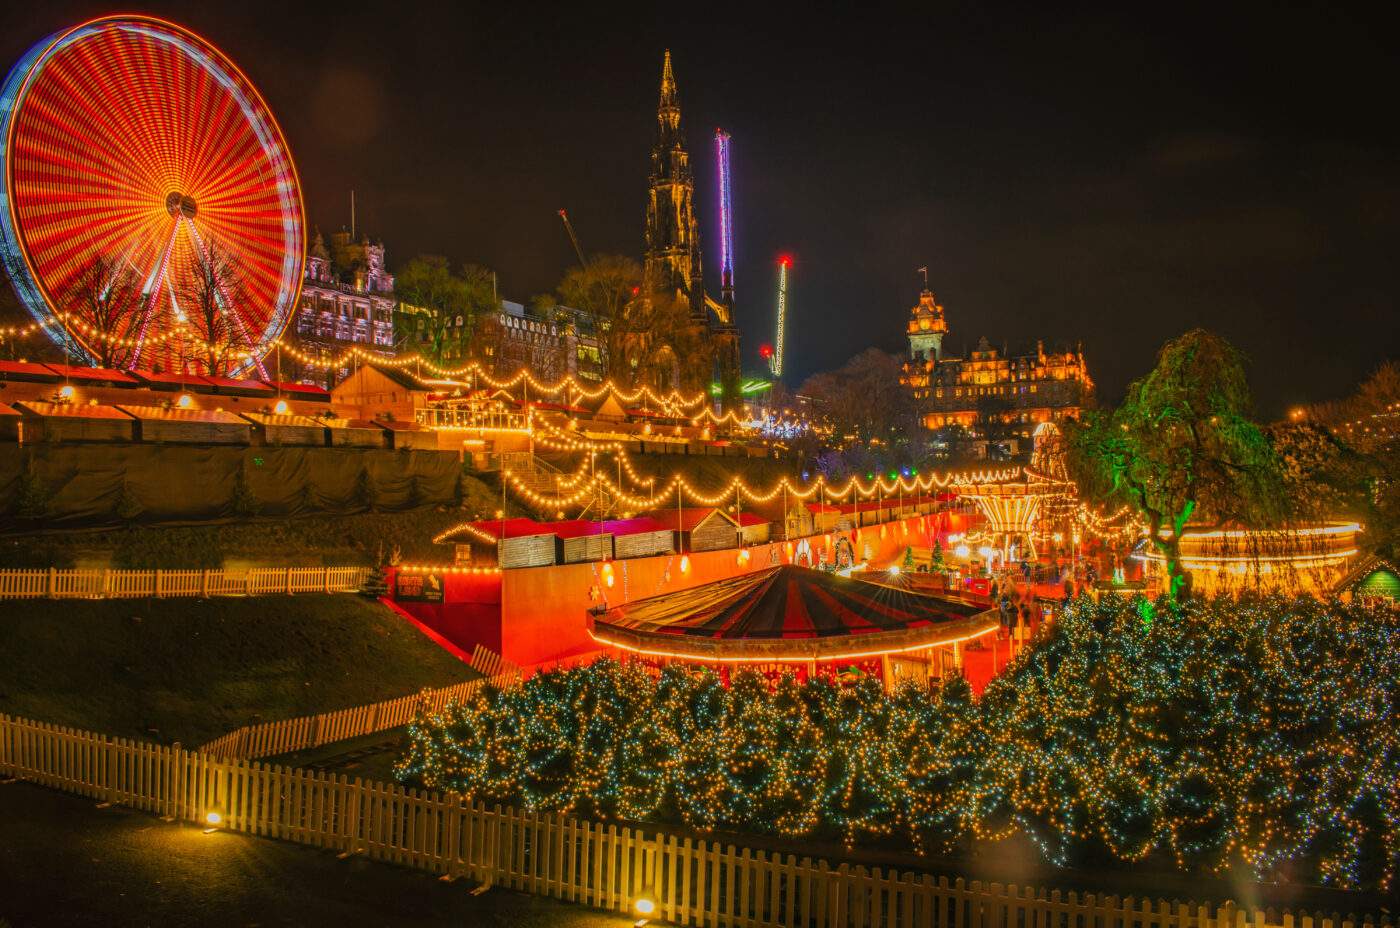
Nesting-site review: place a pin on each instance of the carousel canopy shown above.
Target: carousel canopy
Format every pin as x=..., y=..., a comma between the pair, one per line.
x=789, y=613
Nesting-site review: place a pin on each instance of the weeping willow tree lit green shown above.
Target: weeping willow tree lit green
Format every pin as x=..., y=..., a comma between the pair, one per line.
x=1181, y=449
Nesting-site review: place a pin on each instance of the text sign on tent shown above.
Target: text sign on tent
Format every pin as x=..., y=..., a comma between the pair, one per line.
x=418, y=587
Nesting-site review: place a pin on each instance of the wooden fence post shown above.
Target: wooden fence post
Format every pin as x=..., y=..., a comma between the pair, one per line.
x=326, y=580
x=157, y=585
x=288, y=581
x=111, y=746
x=106, y=583
x=175, y=787
x=204, y=584
x=53, y=582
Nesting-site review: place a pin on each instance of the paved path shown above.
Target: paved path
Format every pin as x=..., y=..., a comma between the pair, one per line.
x=370, y=757
x=65, y=862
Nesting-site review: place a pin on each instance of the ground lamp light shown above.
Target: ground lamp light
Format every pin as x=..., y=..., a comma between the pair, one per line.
x=185, y=401
x=281, y=408
x=214, y=819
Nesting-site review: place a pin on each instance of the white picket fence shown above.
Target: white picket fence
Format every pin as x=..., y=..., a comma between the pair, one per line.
x=96, y=583
x=691, y=882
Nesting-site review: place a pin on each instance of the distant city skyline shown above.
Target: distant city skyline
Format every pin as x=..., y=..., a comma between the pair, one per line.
x=1107, y=178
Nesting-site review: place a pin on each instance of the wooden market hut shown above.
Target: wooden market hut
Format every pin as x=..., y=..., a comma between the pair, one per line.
x=174, y=383
x=250, y=389
x=286, y=429
x=579, y=541
x=45, y=421
x=754, y=529
x=355, y=433
x=95, y=376
x=189, y=426
x=10, y=424
x=1373, y=579
x=640, y=537
x=699, y=528
x=822, y=517
x=517, y=542
x=400, y=434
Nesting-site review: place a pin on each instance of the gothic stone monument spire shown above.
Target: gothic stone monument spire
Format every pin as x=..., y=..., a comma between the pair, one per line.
x=673, y=239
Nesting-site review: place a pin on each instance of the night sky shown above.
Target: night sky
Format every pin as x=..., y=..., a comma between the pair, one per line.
x=1110, y=177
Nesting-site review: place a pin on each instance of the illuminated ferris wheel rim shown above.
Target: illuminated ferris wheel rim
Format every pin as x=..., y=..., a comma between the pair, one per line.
x=15, y=252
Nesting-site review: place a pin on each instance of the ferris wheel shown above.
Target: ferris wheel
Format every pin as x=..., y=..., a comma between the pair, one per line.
x=136, y=155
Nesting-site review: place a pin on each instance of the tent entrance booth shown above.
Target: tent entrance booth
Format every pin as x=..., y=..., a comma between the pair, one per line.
x=790, y=615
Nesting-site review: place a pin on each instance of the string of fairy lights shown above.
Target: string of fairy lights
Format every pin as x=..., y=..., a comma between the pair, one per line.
x=1211, y=736
x=588, y=482
x=673, y=404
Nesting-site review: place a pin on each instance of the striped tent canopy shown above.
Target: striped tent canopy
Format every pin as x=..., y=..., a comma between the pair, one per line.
x=789, y=613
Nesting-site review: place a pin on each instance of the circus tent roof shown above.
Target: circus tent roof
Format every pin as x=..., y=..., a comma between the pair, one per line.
x=789, y=613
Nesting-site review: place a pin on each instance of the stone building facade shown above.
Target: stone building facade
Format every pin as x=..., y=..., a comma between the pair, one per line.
x=556, y=344
x=996, y=394
x=347, y=301
x=552, y=346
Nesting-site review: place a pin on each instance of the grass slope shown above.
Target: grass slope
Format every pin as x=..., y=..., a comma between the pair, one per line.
x=195, y=669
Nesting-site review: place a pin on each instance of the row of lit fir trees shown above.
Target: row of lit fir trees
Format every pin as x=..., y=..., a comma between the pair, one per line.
x=1219, y=737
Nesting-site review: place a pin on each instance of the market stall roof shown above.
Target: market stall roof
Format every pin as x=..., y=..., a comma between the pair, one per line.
x=685, y=520
x=301, y=391
x=163, y=380
x=495, y=529
x=94, y=375
x=25, y=371
x=789, y=613
x=71, y=410
x=176, y=414
x=234, y=386
x=396, y=425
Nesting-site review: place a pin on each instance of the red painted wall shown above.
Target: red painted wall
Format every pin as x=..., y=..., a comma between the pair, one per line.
x=470, y=613
x=536, y=616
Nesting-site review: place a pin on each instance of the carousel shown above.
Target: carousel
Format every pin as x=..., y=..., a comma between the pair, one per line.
x=790, y=615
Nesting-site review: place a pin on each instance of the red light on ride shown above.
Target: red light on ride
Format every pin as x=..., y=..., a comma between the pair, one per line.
x=785, y=260
x=636, y=290
x=766, y=351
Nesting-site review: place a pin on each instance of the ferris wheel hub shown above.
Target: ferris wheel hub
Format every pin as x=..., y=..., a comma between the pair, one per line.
x=176, y=202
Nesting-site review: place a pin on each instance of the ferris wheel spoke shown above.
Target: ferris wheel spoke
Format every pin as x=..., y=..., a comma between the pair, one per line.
x=150, y=288
x=97, y=87
x=230, y=310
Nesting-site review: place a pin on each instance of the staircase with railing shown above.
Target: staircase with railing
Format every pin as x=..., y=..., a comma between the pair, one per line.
x=539, y=477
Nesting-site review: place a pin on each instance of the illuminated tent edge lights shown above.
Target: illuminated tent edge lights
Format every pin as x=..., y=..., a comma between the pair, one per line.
x=992, y=623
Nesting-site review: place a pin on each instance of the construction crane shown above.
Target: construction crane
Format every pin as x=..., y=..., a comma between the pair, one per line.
x=775, y=363
x=573, y=238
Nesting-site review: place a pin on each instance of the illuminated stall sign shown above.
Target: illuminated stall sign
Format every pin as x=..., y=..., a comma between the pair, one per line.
x=418, y=587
